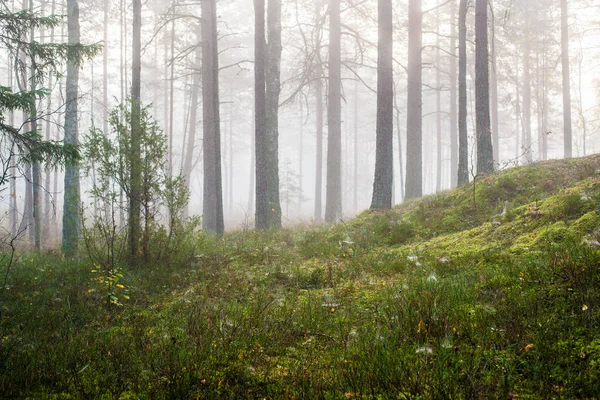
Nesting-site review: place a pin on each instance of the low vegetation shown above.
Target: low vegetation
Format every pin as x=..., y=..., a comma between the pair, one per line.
x=490, y=291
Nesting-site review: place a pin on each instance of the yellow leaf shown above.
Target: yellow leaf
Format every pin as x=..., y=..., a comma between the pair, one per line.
x=529, y=347
x=584, y=308
x=120, y=286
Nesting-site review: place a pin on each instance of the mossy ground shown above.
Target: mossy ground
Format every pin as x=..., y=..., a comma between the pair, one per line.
x=488, y=291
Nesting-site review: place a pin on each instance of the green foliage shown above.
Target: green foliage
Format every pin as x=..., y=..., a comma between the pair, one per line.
x=46, y=58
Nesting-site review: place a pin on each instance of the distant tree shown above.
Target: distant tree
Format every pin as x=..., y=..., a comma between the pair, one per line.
x=566, y=79
x=485, y=153
x=273, y=89
x=463, y=138
x=71, y=205
x=414, y=113
x=260, y=115
x=136, y=167
x=384, y=164
x=333, y=205
x=212, y=215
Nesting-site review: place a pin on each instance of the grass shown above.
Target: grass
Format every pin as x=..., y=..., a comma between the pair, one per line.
x=440, y=298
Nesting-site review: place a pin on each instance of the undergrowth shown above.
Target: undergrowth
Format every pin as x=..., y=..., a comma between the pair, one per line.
x=440, y=298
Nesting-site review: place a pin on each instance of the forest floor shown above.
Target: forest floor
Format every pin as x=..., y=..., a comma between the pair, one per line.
x=488, y=291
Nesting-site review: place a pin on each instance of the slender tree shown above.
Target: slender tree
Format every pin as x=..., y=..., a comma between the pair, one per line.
x=213, y=190
x=71, y=220
x=135, y=191
x=463, y=136
x=273, y=89
x=453, y=100
x=260, y=115
x=414, y=124
x=333, y=205
x=566, y=79
x=485, y=154
x=384, y=158
x=191, y=140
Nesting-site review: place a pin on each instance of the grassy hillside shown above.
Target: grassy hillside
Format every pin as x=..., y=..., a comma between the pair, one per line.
x=488, y=291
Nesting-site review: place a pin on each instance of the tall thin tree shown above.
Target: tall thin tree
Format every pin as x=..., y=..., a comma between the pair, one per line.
x=485, y=152
x=213, y=190
x=414, y=119
x=566, y=79
x=333, y=205
x=384, y=158
x=136, y=164
x=273, y=89
x=463, y=136
x=71, y=218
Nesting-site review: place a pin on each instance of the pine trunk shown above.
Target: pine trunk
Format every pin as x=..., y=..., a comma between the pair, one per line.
x=384, y=158
x=414, y=124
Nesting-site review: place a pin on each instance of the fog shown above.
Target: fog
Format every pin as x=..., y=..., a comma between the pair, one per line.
x=170, y=44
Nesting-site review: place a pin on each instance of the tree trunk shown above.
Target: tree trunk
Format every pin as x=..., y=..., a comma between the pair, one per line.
x=566, y=79
x=319, y=152
x=494, y=91
x=414, y=115
x=273, y=89
x=252, y=169
x=527, y=91
x=453, y=100
x=191, y=141
x=384, y=158
x=260, y=115
x=213, y=190
x=71, y=211
x=485, y=153
x=463, y=134
x=355, y=186
x=438, y=106
x=135, y=191
x=333, y=204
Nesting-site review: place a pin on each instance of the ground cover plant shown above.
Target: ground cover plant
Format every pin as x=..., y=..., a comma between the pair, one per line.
x=490, y=291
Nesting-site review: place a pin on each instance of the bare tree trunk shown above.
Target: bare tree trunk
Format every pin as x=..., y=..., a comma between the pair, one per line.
x=135, y=196
x=463, y=135
x=273, y=89
x=191, y=141
x=485, y=153
x=453, y=100
x=384, y=159
x=260, y=115
x=566, y=79
x=494, y=90
x=71, y=219
x=414, y=125
x=517, y=112
x=355, y=188
x=438, y=105
x=252, y=169
x=213, y=190
x=319, y=152
x=527, y=92
x=230, y=127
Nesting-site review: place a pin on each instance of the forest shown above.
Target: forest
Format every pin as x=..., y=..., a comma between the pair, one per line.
x=298, y=199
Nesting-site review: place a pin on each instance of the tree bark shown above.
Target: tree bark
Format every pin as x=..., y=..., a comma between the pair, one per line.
x=333, y=205
x=273, y=89
x=135, y=191
x=453, y=100
x=213, y=190
x=71, y=219
x=414, y=115
x=566, y=79
x=260, y=115
x=463, y=134
x=485, y=154
x=384, y=158
x=494, y=90
x=191, y=141
x=438, y=106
